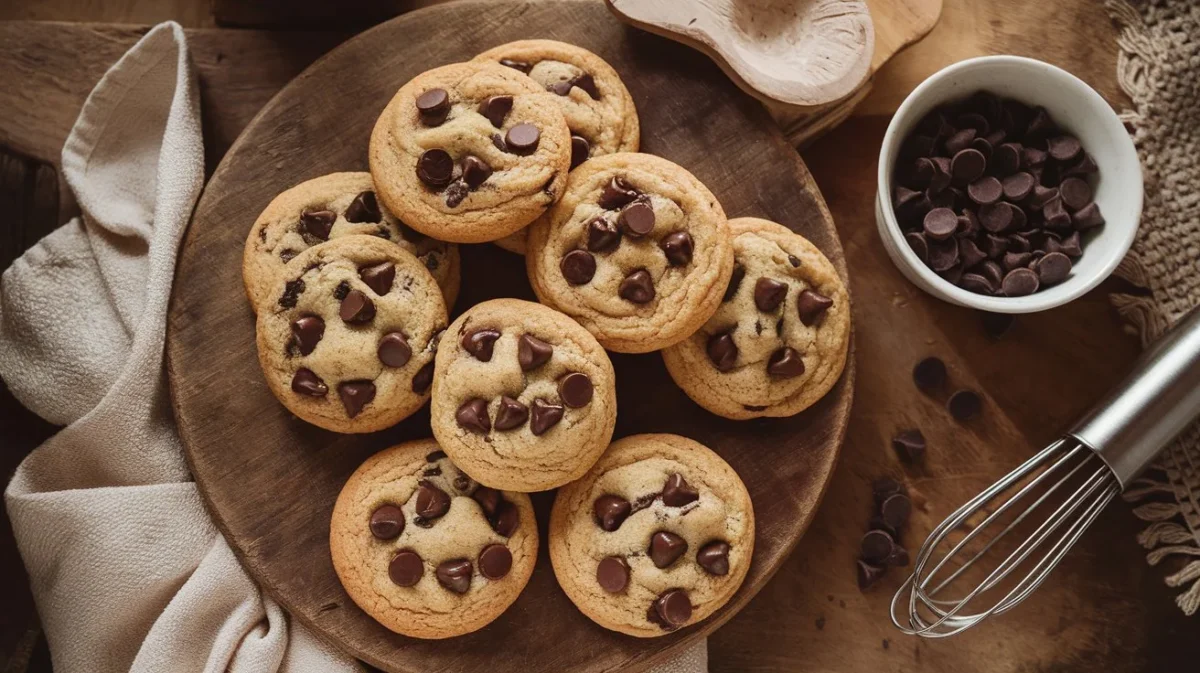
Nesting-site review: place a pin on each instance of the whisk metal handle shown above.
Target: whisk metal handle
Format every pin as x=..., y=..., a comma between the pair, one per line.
x=1156, y=402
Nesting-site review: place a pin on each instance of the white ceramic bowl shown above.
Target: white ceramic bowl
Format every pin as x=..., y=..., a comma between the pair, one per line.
x=1075, y=107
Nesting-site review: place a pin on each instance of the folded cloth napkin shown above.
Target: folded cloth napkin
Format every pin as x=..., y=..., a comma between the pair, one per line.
x=127, y=569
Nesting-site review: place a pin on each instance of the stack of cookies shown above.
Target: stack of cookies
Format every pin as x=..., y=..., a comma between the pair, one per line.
x=533, y=145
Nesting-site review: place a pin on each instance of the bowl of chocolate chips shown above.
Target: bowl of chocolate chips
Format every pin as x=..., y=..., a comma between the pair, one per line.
x=1007, y=185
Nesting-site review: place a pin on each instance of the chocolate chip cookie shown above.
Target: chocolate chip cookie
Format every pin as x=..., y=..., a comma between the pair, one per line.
x=599, y=110
x=637, y=251
x=334, y=205
x=656, y=536
x=778, y=341
x=424, y=549
x=347, y=338
x=523, y=397
x=470, y=152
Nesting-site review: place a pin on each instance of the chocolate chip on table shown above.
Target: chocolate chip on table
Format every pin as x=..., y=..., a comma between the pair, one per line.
x=307, y=332
x=379, y=277
x=394, y=350
x=364, y=208
x=940, y=224
x=532, y=352
x=929, y=374
x=522, y=138
x=475, y=171
x=387, y=522
x=671, y=610
x=769, y=294
x=423, y=378
x=545, y=416
x=472, y=415
x=506, y=520
x=909, y=445
x=496, y=108
x=581, y=149
x=883, y=488
x=406, y=568
x=875, y=546
x=432, y=502
x=964, y=405
x=612, y=574
x=895, y=510
x=617, y=193
x=578, y=267
x=480, y=343
x=735, y=281
x=722, y=351
x=602, y=235
x=318, y=223
x=868, y=574
x=666, y=548
x=677, y=492
x=1019, y=282
x=811, y=305
x=495, y=561
x=637, y=287
x=433, y=105
x=714, y=557
x=455, y=575
x=356, y=395
x=785, y=363
x=1053, y=268
x=305, y=382
x=916, y=241
x=435, y=168
x=678, y=248
x=575, y=390
x=1088, y=217
x=996, y=325
x=510, y=414
x=636, y=219
x=899, y=557
x=611, y=511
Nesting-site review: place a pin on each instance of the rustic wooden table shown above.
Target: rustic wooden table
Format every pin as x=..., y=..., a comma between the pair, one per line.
x=1105, y=608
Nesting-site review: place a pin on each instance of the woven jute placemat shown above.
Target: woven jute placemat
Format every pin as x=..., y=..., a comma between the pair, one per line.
x=1159, y=68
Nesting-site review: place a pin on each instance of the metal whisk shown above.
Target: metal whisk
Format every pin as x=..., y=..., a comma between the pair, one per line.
x=1047, y=503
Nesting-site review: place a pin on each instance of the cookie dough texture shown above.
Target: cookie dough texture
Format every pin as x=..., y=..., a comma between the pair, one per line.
x=520, y=187
x=517, y=459
x=633, y=468
x=347, y=352
x=765, y=249
x=278, y=235
x=427, y=609
x=685, y=297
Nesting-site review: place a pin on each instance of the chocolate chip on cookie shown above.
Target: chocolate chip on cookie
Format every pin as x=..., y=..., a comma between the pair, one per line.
x=307, y=332
x=318, y=223
x=305, y=382
x=714, y=557
x=612, y=574
x=496, y=108
x=480, y=343
x=578, y=267
x=611, y=511
x=522, y=138
x=532, y=352
x=433, y=105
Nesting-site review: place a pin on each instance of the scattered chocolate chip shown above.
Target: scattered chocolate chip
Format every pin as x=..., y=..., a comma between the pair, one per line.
x=735, y=281
x=1019, y=282
x=307, y=332
x=666, y=548
x=909, y=445
x=612, y=574
x=406, y=568
x=532, y=352
x=364, y=208
x=677, y=492
x=496, y=108
x=636, y=219
x=677, y=246
x=876, y=546
x=433, y=105
x=475, y=171
x=435, y=168
x=379, y=277
x=883, y=488
x=356, y=395
x=895, y=510
x=510, y=414
x=305, y=382
x=495, y=561
x=575, y=390
x=811, y=306
x=318, y=223
x=714, y=557
x=996, y=325
x=581, y=149
x=671, y=610
x=722, y=351
x=868, y=574
x=522, y=138
x=637, y=287
x=472, y=415
x=578, y=267
x=785, y=363
x=423, y=378
x=898, y=558
x=965, y=405
x=480, y=343
x=455, y=575
x=929, y=374
x=394, y=350
x=387, y=522
x=611, y=511
x=545, y=416
x=769, y=294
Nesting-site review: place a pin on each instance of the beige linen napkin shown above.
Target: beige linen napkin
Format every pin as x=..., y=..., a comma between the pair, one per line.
x=127, y=569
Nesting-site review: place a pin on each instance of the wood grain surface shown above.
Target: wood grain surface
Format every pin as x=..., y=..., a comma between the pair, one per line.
x=1037, y=379
x=270, y=480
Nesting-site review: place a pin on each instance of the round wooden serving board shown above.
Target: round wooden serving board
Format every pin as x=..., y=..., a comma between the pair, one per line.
x=270, y=480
